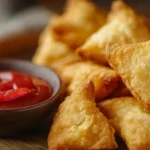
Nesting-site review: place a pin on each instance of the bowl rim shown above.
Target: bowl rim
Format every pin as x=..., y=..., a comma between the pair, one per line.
x=52, y=98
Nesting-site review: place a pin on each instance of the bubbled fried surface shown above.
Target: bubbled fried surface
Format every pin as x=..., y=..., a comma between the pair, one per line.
x=130, y=120
x=79, y=124
x=53, y=53
x=80, y=19
x=124, y=26
x=132, y=63
x=105, y=79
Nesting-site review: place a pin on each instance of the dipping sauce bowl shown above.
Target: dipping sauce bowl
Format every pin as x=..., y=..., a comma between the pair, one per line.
x=16, y=121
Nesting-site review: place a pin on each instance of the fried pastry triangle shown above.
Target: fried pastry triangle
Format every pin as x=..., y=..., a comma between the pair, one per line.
x=53, y=53
x=131, y=62
x=123, y=26
x=130, y=120
x=80, y=19
x=105, y=79
x=79, y=125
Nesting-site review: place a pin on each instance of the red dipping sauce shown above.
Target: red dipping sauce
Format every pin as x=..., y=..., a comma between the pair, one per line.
x=20, y=90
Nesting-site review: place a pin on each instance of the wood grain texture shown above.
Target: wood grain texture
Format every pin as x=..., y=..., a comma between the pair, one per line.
x=36, y=139
x=26, y=143
x=32, y=141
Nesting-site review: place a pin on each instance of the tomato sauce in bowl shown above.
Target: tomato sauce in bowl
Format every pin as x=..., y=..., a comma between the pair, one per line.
x=19, y=90
x=28, y=94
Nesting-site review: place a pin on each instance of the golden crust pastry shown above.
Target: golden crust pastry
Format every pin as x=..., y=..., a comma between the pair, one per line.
x=70, y=70
x=79, y=125
x=121, y=91
x=130, y=120
x=80, y=19
x=52, y=53
x=123, y=26
x=132, y=63
x=105, y=79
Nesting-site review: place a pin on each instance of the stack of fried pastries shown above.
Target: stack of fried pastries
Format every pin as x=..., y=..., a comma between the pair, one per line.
x=103, y=60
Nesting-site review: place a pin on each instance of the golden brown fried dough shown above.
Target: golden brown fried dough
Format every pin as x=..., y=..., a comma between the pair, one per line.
x=79, y=125
x=132, y=63
x=105, y=79
x=80, y=19
x=130, y=120
x=121, y=91
x=124, y=26
x=52, y=53
x=69, y=71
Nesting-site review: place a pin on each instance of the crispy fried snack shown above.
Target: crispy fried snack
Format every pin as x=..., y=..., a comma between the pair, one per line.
x=70, y=70
x=105, y=79
x=52, y=53
x=79, y=125
x=124, y=26
x=130, y=120
x=80, y=19
x=132, y=63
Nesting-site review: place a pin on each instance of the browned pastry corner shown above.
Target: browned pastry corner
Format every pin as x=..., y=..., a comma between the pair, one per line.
x=80, y=19
x=130, y=120
x=123, y=26
x=105, y=79
x=53, y=53
x=131, y=62
x=79, y=125
x=121, y=91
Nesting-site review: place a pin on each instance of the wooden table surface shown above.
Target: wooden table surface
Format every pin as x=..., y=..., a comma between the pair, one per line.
x=36, y=139
x=28, y=142
x=31, y=141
